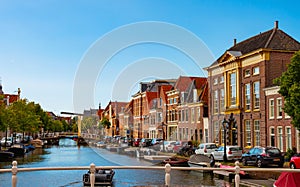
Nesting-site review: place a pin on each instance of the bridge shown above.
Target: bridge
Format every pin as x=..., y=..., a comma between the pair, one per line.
x=92, y=168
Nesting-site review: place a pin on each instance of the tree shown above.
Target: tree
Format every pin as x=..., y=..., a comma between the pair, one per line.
x=105, y=123
x=289, y=83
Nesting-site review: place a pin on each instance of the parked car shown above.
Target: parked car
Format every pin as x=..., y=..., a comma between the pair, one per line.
x=156, y=141
x=167, y=146
x=8, y=141
x=206, y=149
x=295, y=161
x=262, y=156
x=232, y=153
x=145, y=142
x=178, y=145
x=136, y=142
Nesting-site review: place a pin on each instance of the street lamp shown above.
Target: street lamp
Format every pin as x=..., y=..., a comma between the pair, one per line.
x=163, y=131
x=224, y=128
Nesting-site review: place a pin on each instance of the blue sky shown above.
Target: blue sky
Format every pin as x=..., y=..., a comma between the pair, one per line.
x=43, y=43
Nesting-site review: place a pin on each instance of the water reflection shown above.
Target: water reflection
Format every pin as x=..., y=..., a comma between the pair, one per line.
x=69, y=154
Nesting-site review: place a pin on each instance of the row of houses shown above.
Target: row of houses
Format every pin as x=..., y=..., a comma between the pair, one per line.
x=239, y=83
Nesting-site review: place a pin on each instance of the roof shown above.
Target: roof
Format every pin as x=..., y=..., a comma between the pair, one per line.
x=183, y=83
x=274, y=39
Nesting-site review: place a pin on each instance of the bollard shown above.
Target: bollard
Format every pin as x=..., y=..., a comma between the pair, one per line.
x=14, y=171
x=168, y=175
x=92, y=174
x=237, y=174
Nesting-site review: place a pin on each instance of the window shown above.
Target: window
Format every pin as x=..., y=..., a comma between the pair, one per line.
x=256, y=95
x=215, y=81
x=222, y=100
x=216, y=131
x=279, y=108
x=175, y=100
x=256, y=70
x=232, y=88
x=248, y=132
x=271, y=108
x=182, y=116
x=198, y=114
x=182, y=97
x=171, y=100
x=247, y=97
x=193, y=115
x=280, y=138
x=222, y=79
x=247, y=73
x=216, y=102
x=256, y=133
x=195, y=94
x=272, y=136
x=288, y=138
x=186, y=115
x=159, y=117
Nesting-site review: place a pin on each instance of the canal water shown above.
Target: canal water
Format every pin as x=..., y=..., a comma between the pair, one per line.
x=69, y=154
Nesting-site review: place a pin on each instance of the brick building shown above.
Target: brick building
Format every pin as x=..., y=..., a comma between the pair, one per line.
x=238, y=82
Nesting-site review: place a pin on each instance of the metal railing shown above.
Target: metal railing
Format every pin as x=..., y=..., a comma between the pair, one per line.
x=92, y=168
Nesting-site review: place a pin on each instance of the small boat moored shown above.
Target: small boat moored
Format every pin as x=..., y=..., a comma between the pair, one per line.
x=6, y=156
x=103, y=177
x=174, y=161
x=202, y=161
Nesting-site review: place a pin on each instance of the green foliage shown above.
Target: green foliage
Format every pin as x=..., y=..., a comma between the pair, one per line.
x=105, y=123
x=289, y=83
x=290, y=153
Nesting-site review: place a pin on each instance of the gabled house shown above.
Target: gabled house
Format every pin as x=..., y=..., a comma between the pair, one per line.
x=143, y=101
x=111, y=112
x=183, y=108
x=238, y=81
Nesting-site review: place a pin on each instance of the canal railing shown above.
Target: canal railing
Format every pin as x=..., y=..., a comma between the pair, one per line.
x=92, y=168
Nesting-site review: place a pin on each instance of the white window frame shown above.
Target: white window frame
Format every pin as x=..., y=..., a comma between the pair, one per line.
x=232, y=88
x=198, y=114
x=280, y=138
x=279, y=108
x=272, y=134
x=248, y=132
x=247, y=97
x=256, y=133
x=222, y=100
x=256, y=70
x=271, y=108
x=288, y=134
x=192, y=115
x=256, y=95
x=247, y=73
x=216, y=102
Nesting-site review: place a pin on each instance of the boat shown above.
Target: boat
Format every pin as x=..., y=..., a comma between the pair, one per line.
x=202, y=161
x=6, y=156
x=37, y=143
x=103, y=177
x=18, y=150
x=174, y=161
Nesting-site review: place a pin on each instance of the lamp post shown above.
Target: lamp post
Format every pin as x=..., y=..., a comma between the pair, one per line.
x=224, y=128
x=163, y=131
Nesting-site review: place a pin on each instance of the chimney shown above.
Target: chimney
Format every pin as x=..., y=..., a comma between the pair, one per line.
x=234, y=42
x=276, y=25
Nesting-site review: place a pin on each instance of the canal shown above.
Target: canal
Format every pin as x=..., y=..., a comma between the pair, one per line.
x=69, y=154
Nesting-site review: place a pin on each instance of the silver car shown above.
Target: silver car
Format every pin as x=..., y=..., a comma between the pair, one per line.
x=232, y=153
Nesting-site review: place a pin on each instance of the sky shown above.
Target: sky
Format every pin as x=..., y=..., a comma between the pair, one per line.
x=72, y=55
